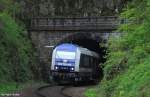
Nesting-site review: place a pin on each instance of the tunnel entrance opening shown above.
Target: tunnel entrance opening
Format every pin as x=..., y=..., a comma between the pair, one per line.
x=87, y=41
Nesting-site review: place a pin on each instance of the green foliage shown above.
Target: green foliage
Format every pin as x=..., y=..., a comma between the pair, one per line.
x=69, y=8
x=15, y=50
x=17, y=59
x=91, y=93
x=127, y=68
x=10, y=6
x=9, y=87
x=131, y=83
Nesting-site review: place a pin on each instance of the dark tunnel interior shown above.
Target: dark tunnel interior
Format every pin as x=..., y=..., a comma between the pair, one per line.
x=92, y=45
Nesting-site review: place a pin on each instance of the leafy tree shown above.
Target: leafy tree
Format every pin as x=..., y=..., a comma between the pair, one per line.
x=70, y=8
x=17, y=58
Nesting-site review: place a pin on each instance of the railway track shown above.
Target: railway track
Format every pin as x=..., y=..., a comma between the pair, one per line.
x=39, y=93
x=62, y=91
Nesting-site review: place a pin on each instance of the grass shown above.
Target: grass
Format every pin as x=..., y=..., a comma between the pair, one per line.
x=91, y=92
x=10, y=87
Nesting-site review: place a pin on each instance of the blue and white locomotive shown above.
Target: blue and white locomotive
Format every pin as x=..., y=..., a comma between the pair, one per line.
x=72, y=62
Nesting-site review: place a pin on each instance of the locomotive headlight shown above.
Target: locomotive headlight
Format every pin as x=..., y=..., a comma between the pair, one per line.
x=56, y=67
x=72, y=68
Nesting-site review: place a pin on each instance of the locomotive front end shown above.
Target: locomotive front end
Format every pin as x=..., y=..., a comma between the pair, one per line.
x=63, y=65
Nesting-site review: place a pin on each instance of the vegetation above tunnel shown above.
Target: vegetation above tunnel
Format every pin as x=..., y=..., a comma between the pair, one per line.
x=69, y=8
x=128, y=62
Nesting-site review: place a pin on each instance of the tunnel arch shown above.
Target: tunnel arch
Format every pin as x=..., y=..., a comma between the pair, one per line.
x=87, y=40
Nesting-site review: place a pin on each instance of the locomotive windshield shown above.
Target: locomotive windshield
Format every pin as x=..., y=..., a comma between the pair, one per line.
x=65, y=55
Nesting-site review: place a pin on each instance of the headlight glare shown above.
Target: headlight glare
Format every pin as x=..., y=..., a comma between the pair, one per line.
x=56, y=67
x=72, y=68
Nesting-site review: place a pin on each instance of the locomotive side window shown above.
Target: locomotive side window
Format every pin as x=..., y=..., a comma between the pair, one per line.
x=95, y=62
x=91, y=61
x=85, y=61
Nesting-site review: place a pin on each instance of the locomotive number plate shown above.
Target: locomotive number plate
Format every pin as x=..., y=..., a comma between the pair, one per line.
x=65, y=64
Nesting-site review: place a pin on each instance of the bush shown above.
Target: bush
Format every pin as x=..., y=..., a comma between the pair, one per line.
x=16, y=51
x=128, y=62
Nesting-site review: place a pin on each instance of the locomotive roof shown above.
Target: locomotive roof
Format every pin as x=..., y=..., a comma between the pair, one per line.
x=74, y=47
x=67, y=46
x=88, y=52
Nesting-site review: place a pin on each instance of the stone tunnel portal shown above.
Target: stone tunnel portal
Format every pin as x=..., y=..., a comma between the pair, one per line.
x=89, y=40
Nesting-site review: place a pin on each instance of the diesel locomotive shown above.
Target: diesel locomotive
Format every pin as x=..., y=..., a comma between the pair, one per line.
x=74, y=63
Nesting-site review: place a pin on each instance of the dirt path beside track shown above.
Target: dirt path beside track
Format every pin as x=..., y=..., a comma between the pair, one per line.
x=54, y=91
